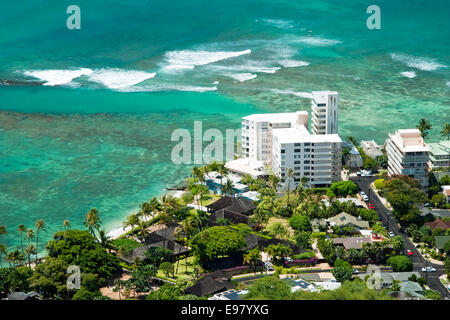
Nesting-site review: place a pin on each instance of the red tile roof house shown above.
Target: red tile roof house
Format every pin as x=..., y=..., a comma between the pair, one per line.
x=438, y=223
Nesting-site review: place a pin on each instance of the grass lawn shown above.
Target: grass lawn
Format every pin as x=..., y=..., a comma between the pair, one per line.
x=183, y=272
x=210, y=198
x=283, y=221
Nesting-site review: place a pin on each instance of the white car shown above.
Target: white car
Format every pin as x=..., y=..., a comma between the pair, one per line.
x=391, y=234
x=428, y=269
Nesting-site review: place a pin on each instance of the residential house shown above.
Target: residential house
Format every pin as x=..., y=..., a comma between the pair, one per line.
x=234, y=204
x=371, y=149
x=351, y=242
x=347, y=220
x=211, y=283
x=438, y=223
x=440, y=242
x=388, y=278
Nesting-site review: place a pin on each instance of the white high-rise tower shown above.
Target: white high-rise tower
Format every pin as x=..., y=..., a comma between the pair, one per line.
x=324, y=112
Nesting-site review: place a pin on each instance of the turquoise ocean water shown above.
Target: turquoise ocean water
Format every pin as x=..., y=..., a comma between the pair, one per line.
x=86, y=115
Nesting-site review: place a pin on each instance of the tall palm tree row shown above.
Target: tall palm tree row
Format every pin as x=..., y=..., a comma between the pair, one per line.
x=40, y=225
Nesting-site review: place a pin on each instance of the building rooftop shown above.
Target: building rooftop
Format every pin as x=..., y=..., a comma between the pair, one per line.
x=371, y=148
x=441, y=148
x=409, y=140
x=322, y=96
x=300, y=134
x=441, y=241
x=344, y=219
x=275, y=117
x=438, y=223
x=255, y=168
x=352, y=242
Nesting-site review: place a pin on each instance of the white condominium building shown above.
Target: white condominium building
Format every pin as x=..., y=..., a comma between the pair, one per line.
x=316, y=157
x=282, y=141
x=324, y=112
x=408, y=154
x=257, y=132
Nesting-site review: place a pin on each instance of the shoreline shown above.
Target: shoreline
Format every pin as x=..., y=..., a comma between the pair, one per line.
x=117, y=230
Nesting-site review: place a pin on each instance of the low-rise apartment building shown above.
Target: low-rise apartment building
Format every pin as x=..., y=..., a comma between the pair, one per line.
x=408, y=154
x=439, y=154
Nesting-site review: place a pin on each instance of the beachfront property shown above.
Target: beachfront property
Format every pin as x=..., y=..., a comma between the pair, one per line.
x=324, y=112
x=439, y=154
x=408, y=154
x=371, y=148
x=247, y=166
x=282, y=141
x=316, y=157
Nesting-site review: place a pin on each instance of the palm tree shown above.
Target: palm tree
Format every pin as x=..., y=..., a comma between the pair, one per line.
x=424, y=125
x=252, y=258
x=155, y=206
x=223, y=171
x=131, y=221
x=274, y=181
x=228, y=187
x=289, y=173
x=445, y=132
x=166, y=218
x=30, y=235
x=29, y=251
x=3, y=230
x=92, y=221
x=3, y=251
x=14, y=257
x=21, y=229
x=142, y=226
x=40, y=225
x=185, y=228
x=104, y=240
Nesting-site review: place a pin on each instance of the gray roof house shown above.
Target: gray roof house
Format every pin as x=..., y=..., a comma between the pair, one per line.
x=344, y=219
x=387, y=278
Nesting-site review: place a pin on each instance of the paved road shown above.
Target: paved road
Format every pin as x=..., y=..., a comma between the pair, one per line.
x=388, y=220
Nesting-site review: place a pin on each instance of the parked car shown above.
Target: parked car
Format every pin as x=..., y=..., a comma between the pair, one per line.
x=428, y=269
x=288, y=259
x=409, y=252
x=371, y=206
x=391, y=234
x=269, y=266
x=356, y=271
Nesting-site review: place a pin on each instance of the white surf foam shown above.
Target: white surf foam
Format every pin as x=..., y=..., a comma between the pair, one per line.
x=55, y=77
x=169, y=87
x=448, y=83
x=421, y=63
x=292, y=92
x=287, y=63
x=241, y=77
x=278, y=23
x=119, y=78
x=408, y=74
x=188, y=59
x=317, y=41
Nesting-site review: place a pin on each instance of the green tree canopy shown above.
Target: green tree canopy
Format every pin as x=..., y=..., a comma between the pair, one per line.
x=400, y=263
x=268, y=288
x=300, y=222
x=77, y=247
x=344, y=188
x=50, y=278
x=217, y=241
